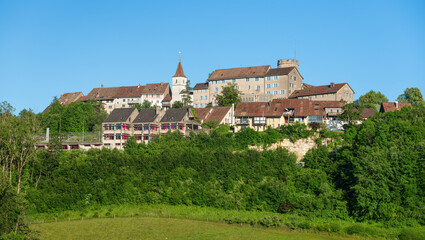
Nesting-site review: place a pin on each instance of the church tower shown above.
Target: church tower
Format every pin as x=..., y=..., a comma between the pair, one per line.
x=178, y=84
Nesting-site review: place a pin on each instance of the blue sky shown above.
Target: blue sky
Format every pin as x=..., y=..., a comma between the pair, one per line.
x=51, y=47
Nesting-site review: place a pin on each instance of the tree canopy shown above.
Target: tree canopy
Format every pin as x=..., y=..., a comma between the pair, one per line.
x=229, y=95
x=371, y=99
x=411, y=95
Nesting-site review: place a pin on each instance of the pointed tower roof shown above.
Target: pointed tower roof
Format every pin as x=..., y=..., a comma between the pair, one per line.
x=179, y=72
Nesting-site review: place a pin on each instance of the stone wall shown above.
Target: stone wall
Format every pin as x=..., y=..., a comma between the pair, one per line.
x=299, y=148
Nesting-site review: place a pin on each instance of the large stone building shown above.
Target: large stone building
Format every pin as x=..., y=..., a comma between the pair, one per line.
x=255, y=84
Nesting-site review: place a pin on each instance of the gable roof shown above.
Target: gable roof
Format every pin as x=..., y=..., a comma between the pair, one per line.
x=146, y=115
x=167, y=98
x=318, y=107
x=179, y=71
x=217, y=114
x=392, y=106
x=231, y=73
x=174, y=115
x=202, y=113
x=199, y=86
x=120, y=114
x=156, y=88
x=324, y=89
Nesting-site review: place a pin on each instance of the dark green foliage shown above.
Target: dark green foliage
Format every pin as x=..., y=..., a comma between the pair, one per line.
x=295, y=131
x=229, y=95
x=11, y=208
x=76, y=117
x=380, y=167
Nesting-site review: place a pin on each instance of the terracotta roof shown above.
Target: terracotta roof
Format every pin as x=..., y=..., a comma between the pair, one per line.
x=200, y=86
x=279, y=71
x=174, y=115
x=310, y=91
x=318, y=107
x=179, y=71
x=167, y=98
x=120, y=114
x=201, y=113
x=156, y=88
x=146, y=115
x=305, y=85
x=231, y=73
x=68, y=98
x=368, y=112
x=217, y=114
x=301, y=107
x=277, y=108
x=113, y=92
x=130, y=91
x=391, y=106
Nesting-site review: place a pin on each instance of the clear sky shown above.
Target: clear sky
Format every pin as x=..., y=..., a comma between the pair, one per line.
x=52, y=47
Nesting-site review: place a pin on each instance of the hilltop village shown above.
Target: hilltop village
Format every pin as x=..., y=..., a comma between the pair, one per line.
x=269, y=97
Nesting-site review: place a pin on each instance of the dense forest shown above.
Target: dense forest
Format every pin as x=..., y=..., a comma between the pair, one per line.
x=376, y=174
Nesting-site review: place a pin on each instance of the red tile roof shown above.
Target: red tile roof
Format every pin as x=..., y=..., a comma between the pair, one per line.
x=311, y=91
x=156, y=88
x=201, y=113
x=113, y=92
x=68, y=98
x=277, y=107
x=231, y=73
x=217, y=114
x=200, y=86
x=167, y=98
x=179, y=71
x=391, y=106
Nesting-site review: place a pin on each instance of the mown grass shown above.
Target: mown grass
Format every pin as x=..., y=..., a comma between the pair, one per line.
x=252, y=218
x=164, y=228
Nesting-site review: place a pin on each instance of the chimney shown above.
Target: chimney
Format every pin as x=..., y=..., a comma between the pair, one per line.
x=157, y=109
x=162, y=83
x=332, y=85
x=138, y=85
x=396, y=104
x=101, y=85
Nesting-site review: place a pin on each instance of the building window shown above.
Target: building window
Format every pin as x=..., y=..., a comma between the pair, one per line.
x=259, y=120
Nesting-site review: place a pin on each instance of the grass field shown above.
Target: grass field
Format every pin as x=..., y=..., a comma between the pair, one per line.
x=165, y=228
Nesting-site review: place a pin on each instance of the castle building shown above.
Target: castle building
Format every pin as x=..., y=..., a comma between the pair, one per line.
x=256, y=84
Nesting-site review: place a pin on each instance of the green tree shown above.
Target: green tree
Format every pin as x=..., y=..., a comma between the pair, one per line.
x=371, y=99
x=210, y=124
x=350, y=113
x=411, y=95
x=229, y=95
x=177, y=104
x=186, y=98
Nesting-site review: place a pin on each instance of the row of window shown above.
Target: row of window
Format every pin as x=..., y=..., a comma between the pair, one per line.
x=200, y=105
x=118, y=126
x=200, y=90
x=273, y=85
x=250, y=99
x=116, y=136
x=223, y=81
x=276, y=92
x=203, y=97
x=271, y=78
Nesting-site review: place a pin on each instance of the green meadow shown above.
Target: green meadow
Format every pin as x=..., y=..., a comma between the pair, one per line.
x=165, y=228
